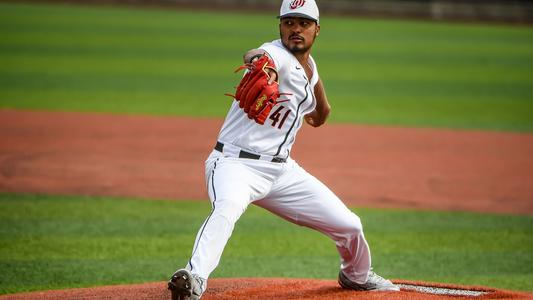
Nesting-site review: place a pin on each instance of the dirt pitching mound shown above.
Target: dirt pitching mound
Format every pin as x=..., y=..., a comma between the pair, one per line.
x=278, y=288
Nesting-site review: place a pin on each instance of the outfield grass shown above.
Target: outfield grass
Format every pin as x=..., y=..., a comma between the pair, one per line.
x=62, y=242
x=149, y=61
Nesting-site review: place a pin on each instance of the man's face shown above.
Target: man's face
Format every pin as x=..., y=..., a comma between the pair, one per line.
x=298, y=34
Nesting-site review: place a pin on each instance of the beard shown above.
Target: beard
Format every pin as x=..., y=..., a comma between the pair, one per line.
x=296, y=47
x=299, y=48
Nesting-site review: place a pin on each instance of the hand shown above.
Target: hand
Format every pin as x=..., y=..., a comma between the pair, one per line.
x=253, y=55
x=310, y=119
x=257, y=91
x=272, y=76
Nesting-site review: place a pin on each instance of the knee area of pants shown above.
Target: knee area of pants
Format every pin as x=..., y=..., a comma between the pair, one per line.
x=355, y=225
x=350, y=228
x=230, y=210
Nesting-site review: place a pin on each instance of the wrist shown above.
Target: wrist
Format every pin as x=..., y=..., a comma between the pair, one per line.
x=254, y=58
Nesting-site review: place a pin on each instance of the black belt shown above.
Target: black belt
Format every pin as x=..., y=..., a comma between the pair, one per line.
x=243, y=154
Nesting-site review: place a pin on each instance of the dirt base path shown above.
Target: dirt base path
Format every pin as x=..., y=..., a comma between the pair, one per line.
x=273, y=288
x=162, y=157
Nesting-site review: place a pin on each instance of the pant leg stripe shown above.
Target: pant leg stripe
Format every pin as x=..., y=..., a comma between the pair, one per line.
x=210, y=214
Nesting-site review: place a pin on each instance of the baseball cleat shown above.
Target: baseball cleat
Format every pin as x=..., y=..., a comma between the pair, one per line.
x=184, y=285
x=373, y=283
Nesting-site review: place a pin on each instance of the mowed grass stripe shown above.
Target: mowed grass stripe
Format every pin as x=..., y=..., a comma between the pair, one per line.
x=172, y=62
x=63, y=242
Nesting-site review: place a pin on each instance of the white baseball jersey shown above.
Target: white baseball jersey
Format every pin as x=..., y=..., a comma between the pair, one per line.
x=235, y=181
x=275, y=137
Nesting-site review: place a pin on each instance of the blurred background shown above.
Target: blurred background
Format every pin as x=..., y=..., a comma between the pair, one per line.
x=520, y=11
x=409, y=63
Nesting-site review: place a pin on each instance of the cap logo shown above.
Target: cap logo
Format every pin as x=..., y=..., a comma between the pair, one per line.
x=297, y=3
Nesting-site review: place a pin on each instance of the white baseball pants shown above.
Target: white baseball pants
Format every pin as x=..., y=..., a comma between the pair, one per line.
x=286, y=190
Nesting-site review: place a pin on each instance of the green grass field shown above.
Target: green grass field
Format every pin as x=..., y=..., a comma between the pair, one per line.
x=149, y=61
x=51, y=242
x=142, y=61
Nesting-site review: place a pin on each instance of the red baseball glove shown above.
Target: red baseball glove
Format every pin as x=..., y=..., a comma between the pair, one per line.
x=255, y=96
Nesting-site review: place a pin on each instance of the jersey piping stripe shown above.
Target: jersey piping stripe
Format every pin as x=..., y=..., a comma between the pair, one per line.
x=295, y=118
x=213, y=184
x=210, y=214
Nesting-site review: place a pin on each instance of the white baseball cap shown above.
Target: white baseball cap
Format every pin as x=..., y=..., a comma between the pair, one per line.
x=299, y=8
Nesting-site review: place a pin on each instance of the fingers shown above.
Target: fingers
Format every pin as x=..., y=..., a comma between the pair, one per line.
x=272, y=76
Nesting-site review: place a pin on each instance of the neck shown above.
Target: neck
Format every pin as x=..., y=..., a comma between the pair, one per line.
x=303, y=58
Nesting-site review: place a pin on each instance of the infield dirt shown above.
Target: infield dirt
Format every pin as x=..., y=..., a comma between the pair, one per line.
x=162, y=157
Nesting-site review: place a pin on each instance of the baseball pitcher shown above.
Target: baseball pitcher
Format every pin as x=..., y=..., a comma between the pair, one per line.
x=251, y=160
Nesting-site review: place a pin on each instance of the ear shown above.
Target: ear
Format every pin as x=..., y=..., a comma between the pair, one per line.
x=317, y=30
